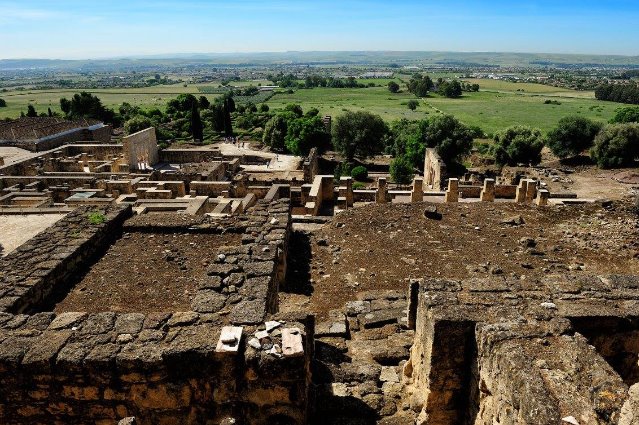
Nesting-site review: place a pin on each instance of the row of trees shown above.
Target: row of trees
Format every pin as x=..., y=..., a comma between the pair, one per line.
x=622, y=93
x=421, y=85
x=312, y=81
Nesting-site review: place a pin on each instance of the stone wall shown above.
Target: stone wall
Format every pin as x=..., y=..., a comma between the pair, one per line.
x=141, y=149
x=434, y=170
x=77, y=368
x=172, y=367
x=34, y=270
x=532, y=352
x=310, y=166
x=185, y=156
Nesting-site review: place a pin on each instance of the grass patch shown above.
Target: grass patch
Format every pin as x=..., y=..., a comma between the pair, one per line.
x=96, y=217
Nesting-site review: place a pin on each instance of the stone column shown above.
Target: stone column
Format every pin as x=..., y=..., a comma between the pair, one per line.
x=488, y=193
x=521, y=191
x=417, y=195
x=531, y=191
x=452, y=194
x=349, y=191
x=542, y=197
x=381, y=195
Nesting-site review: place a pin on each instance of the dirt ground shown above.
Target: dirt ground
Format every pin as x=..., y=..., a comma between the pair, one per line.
x=17, y=229
x=146, y=273
x=383, y=246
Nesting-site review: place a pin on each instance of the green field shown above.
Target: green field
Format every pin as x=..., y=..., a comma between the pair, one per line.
x=496, y=106
x=499, y=104
x=147, y=97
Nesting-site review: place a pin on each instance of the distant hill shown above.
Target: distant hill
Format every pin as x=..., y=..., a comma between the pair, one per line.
x=328, y=58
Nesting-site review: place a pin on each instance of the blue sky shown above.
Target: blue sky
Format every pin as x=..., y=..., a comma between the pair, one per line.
x=97, y=29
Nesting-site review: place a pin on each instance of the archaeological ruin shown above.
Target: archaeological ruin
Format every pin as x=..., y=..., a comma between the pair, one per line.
x=226, y=284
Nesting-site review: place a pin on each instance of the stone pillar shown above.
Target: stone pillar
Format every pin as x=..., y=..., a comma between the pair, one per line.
x=345, y=195
x=452, y=194
x=348, y=182
x=1, y=161
x=531, y=191
x=521, y=191
x=381, y=195
x=542, y=197
x=417, y=195
x=488, y=193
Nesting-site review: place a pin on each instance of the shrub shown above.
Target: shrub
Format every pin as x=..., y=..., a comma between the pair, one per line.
x=518, y=145
x=359, y=173
x=412, y=104
x=401, y=170
x=572, y=136
x=360, y=186
x=623, y=115
x=96, y=217
x=616, y=145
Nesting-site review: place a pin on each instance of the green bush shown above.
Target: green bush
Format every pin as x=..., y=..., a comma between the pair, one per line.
x=572, y=136
x=96, y=217
x=616, y=145
x=360, y=186
x=518, y=145
x=359, y=173
x=401, y=170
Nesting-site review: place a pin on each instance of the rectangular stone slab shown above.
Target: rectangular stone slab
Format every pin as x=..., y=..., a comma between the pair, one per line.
x=229, y=341
x=292, y=342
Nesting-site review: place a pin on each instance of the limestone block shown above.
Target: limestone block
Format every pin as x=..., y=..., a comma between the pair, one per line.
x=521, y=191
x=229, y=341
x=417, y=194
x=542, y=198
x=382, y=191
x=488, y=192
x=292, y=342
x=452, y=194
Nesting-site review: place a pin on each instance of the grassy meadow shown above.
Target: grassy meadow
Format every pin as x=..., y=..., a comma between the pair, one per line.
x=497, y=105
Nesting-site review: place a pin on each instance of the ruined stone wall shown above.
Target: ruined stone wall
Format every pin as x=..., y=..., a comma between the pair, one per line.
x=185, y=156
x=171, y=367
x=141, y=149
x=35, y=269
x=310, y=166
x=560, y=348
x=163, y=368
x=434, y=170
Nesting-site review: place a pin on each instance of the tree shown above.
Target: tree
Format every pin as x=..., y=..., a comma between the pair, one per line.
x=449, y=137
x=31, y=112
x=203, y=102
x=451, y=89
x=393, y=87
x=359, y=134
x=3, y=103
x=294, y=108
x=65, y=105
x=305, y=133
x=401, y=170
x=412, y=104
x=137, y=123
x=275, y=133
x=229, y=106
x=197, y=129
x=264, y=108
x=85, y=105
x=626, y=115
x=518, y=145
x=420, y=85
x=49, y=112
x=572, y=136
x=616, y=145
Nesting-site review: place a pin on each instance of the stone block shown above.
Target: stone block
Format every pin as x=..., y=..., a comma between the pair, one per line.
x=292, y=345
x=230, y=339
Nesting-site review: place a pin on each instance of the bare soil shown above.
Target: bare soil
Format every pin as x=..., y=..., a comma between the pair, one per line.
x=146, y=273
x=383, y=246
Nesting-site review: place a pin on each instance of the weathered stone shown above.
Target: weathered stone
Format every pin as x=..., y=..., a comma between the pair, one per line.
x=208, y=302
x=130, y=323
